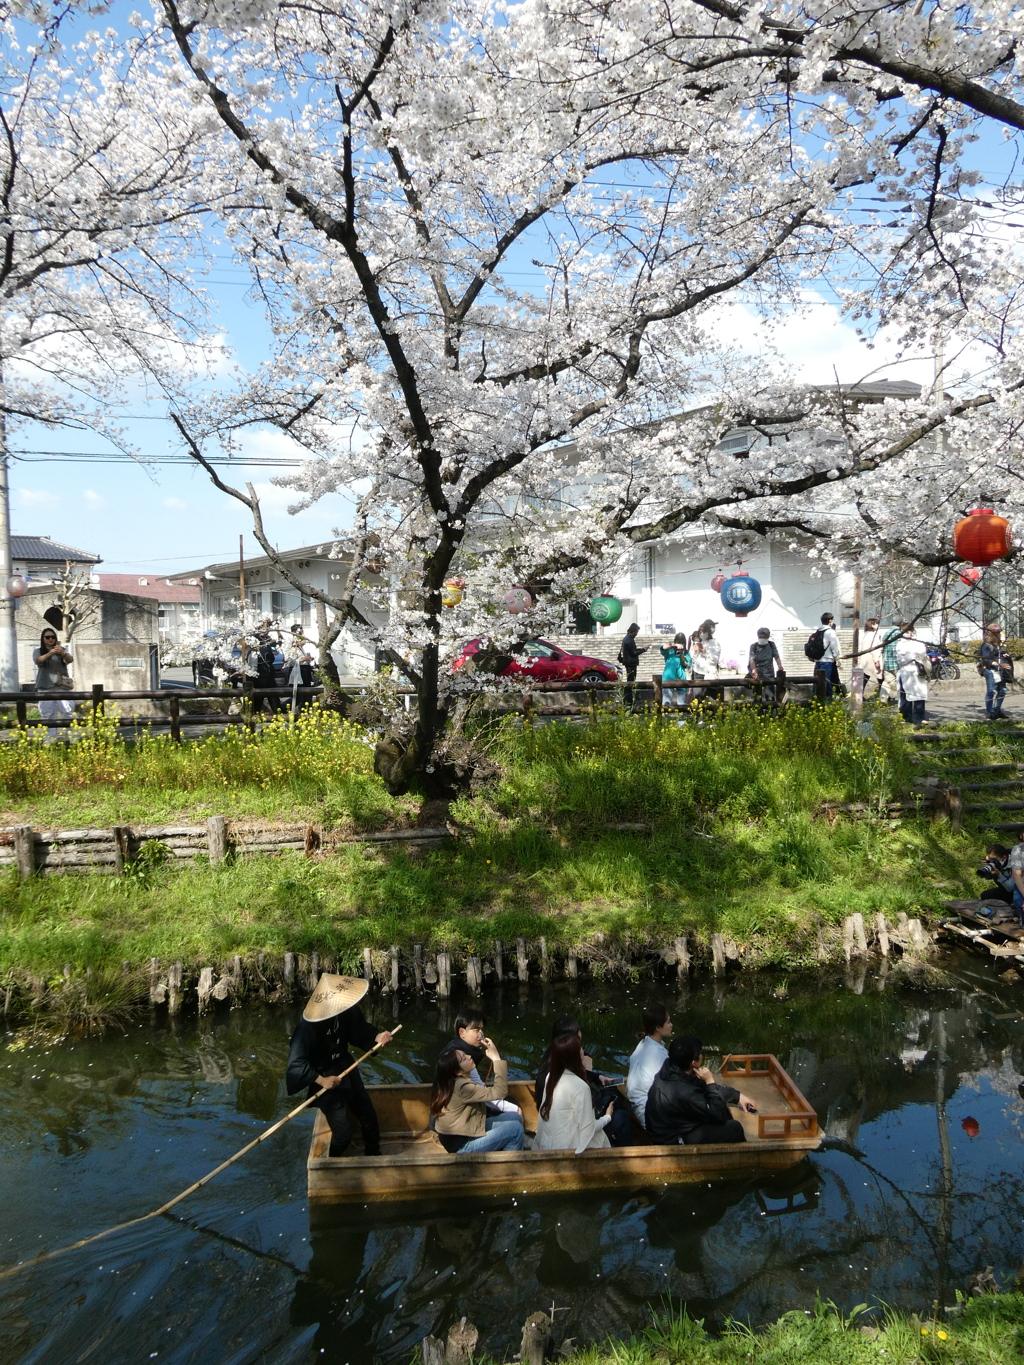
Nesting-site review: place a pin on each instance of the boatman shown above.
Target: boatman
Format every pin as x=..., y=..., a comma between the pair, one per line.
x=331, y=1024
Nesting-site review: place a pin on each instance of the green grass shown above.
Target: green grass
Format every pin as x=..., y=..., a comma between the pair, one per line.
x=734, y=840
x=989, y=1331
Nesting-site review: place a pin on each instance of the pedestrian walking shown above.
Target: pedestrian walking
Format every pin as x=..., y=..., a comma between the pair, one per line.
x=677, y=659
x=913, y=665
x=51, y=660
x=996, y=668
x=828, y=660
x=888, y=688
x=869, y=658
x=629, y=657
x=764, y=659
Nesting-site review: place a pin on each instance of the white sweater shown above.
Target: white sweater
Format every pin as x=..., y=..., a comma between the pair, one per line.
x=647, y=1060
x=572, y=1123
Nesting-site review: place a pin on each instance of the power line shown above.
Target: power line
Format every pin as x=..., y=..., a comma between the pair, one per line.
x=71, y=456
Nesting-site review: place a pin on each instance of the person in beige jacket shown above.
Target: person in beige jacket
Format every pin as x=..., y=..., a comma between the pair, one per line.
x=458, y=1105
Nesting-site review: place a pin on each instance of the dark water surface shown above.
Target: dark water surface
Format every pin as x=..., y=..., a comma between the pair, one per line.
x=901, y=1205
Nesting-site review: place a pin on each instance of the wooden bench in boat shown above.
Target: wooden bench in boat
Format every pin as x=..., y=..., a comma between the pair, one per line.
x=414, y=1165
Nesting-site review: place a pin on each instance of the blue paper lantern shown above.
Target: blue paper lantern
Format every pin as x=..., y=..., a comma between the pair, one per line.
x=741, y=594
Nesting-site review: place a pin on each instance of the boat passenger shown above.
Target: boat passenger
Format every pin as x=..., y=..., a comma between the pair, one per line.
x=566, y=1113
x=331, y=1024
x=603, y=1089
x=469, y=1035
x=648, y=1057
x=458, y=1105
x=686, y=1106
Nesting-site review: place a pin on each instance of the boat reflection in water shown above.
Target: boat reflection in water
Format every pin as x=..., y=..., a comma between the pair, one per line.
x=381, y=1278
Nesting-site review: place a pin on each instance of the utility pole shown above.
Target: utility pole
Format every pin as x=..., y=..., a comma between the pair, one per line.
x=8, y=635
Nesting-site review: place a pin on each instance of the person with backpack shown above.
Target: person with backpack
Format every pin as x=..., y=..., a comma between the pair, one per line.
x=996, y=668
x=676, y=659
x=823, y=649
x=629, y=657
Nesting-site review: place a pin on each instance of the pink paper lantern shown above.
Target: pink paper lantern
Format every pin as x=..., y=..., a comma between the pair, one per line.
x=718, y=582
x=518, y=600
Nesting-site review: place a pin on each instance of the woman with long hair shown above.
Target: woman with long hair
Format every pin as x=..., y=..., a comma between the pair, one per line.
x=458, y=1105
x=51, y=660
x=566, y=1114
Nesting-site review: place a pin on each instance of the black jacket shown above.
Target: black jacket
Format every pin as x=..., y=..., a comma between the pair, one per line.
x=628, y=651
x=323, y=1049
x=679, y=1102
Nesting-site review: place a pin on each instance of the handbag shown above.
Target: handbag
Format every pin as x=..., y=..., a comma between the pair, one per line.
x=60, y=682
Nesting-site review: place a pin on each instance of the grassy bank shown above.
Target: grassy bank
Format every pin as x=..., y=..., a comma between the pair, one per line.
x=734, y=840
x=989, y=1331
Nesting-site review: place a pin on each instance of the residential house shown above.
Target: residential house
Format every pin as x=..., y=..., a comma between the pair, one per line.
x=178, y=603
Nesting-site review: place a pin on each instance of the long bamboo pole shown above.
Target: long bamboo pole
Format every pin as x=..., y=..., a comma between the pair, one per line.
x=133, y=1222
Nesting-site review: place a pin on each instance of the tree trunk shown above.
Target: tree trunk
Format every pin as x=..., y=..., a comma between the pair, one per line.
x=333, y=699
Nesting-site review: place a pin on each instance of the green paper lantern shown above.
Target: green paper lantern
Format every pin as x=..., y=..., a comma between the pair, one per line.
x=606, y=610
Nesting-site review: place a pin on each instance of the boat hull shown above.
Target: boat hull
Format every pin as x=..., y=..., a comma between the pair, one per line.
x=415, y=1166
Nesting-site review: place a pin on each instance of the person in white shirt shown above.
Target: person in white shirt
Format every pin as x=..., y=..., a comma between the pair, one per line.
x=566, y=1115
x=829, y=661
x=913, y=666
x=648, y=1057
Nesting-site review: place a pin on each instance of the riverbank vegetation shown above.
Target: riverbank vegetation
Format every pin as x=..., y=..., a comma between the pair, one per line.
x=727, y=832
x=988, y=1331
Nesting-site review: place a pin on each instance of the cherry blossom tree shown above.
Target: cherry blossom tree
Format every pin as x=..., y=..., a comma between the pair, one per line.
x=495, y=242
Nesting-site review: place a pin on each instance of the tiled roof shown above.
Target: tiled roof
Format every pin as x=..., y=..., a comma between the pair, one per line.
x=38, y=549
x=148, y=585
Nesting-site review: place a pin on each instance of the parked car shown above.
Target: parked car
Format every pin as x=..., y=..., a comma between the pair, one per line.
x=545, y=662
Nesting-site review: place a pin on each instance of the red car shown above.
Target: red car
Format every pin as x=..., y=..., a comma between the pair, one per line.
x=547, y=663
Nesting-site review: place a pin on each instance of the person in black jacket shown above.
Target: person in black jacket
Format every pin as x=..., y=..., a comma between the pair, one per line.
x=629, y=657
x=685, y=1105
x=331, y=1024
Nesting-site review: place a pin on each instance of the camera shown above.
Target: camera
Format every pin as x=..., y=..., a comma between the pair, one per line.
x=992, y=868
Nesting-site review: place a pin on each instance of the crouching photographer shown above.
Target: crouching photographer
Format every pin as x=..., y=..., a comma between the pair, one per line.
x=996, y=871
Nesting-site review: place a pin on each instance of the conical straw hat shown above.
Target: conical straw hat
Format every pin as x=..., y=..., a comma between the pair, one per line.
x=334, y=995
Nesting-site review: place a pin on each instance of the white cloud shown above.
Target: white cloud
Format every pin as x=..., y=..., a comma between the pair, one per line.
x=175, y=505
x=36, y=497
x=93, y=500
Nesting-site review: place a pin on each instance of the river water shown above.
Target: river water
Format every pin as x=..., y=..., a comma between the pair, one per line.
x=919, y=1184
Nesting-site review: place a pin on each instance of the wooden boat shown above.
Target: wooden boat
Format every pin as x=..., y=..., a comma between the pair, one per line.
x=414, y=1165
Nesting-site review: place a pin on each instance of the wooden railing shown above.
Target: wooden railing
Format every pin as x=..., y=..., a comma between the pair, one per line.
x=799, y=1118
x=647, y=693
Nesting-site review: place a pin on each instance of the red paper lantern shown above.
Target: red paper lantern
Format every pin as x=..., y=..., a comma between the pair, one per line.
x=982, y=537
x=971, y=577
x=718, y=582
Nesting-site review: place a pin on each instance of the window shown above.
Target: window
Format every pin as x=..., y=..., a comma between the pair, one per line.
x=533, y=649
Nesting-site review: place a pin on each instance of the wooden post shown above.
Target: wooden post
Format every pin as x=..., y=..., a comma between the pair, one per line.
x=521, y=962
x=444, y=975
x=314, y=970
x=21, y=711
x=819, y=683
x=461, y=1343
x=527, y=711
x=592, y=694
x=157, y=988
x=25, y=850
x=572, y=967
x=536, y=1339
x=955, y=806
x=394, y=967
x=474, y=975
x=122, y=848
x=682, y=948
x=848, y=937
x=432, y=1351
x=175, y=709
x=882, y=930
x=97, y=701
x=289, y=974
x=205, y=988
x=417, y=967
x=781, y=688
x=860, y=938
x=718, y=953
x=499, y=959
x=368, y=965
x=657, y=693
x=545, y=964
x=175, y=976
x=217, y=838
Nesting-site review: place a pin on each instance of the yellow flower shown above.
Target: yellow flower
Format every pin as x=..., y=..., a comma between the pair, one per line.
x=942, y=1336
x=924, y=1331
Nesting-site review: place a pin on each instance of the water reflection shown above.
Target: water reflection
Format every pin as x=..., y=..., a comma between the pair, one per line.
x=902, y=1204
